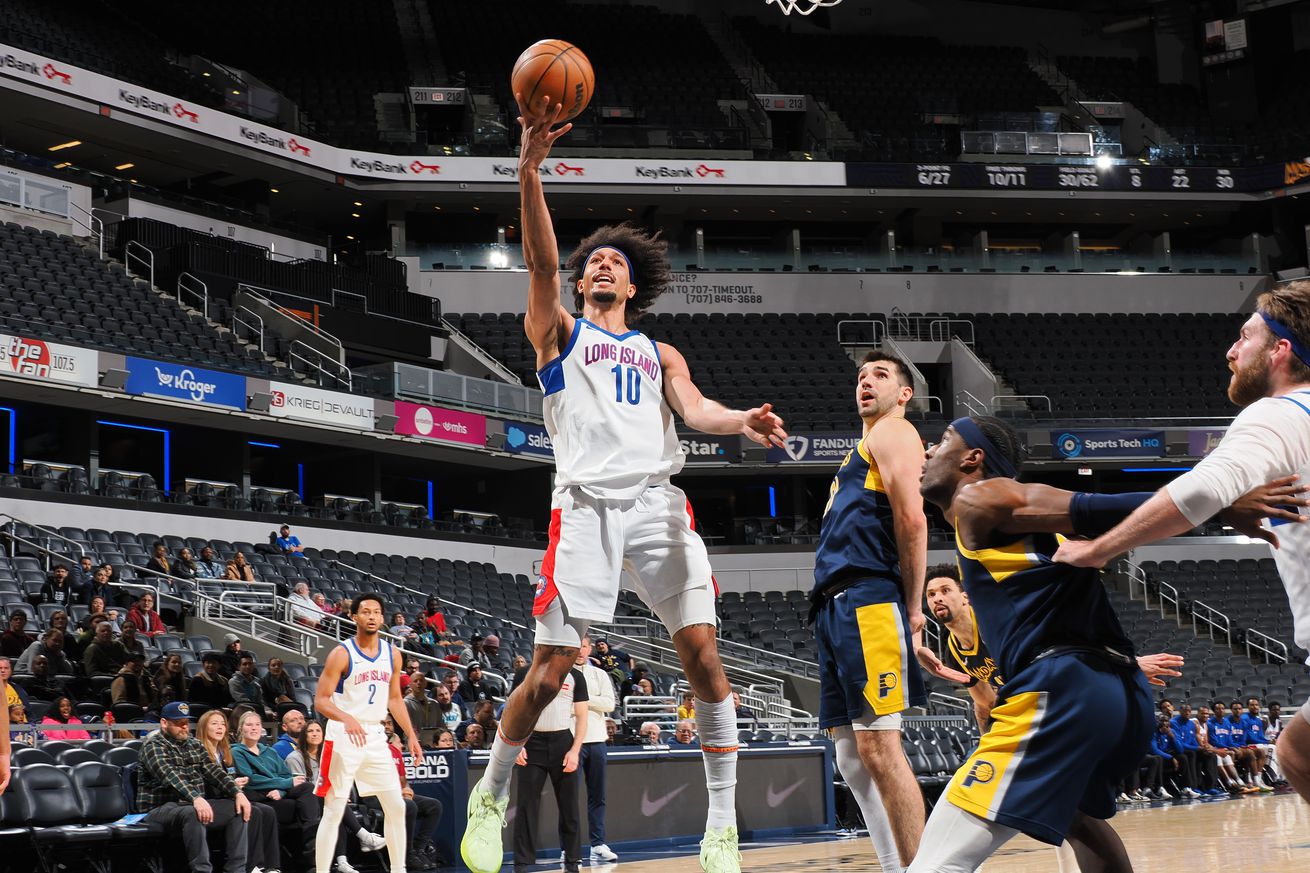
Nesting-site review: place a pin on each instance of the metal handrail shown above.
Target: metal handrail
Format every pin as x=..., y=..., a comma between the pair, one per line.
x=253, y=291
x=945, y=334
x=81, y=551
x=148, y=259
x=202, y=292
x=225, y=613
x=929, y=398
x=879, y=331
x=504, y=372
x=1136, y=577
x=401, y=585
x=936, y=698
x=1169, y=594
x=972, y=404
x=348, y=379
x=651, y=628
x=1263, y=643
x=996, y=397
x=258, y=329
x=1213, y=619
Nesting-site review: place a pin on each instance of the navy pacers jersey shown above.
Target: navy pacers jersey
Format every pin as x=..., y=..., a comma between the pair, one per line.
x=857, y=538
x=977, y=661
x=1025, y=603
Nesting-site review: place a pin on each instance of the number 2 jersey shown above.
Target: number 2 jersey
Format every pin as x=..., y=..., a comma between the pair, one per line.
x=604, y=409
x=365, y=686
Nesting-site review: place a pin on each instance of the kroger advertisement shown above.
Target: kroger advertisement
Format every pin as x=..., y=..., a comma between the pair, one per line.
x=180, y=382
x=1107, y=443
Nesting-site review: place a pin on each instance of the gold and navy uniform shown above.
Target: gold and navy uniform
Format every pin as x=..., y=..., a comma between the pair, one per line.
x=866, y=659
x=977, y=661
x=1074, y=715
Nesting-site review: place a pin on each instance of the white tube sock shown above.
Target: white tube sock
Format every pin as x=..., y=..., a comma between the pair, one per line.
x=501, y=765
x=716, y=723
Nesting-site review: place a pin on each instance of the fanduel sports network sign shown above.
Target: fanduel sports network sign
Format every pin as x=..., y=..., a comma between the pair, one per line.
x=315, y=404
x=51, y=362
x=435, y=423
x=180, y=382
x=814, y=448
x=1106, y=443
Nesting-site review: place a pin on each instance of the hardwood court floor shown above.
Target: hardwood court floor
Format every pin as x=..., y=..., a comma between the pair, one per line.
x=1269, y=832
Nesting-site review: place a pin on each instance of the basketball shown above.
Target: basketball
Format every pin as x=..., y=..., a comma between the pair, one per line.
x=556, y=69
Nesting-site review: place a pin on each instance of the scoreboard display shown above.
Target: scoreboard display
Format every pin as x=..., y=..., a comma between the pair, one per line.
x=1058, y=177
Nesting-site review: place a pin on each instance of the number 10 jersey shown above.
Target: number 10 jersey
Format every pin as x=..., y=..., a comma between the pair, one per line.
x=604, y=409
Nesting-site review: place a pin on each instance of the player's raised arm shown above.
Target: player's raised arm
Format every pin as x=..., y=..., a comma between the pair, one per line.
x=546, y=322
x=760, y=424
x=895, y=445
x=336, y=664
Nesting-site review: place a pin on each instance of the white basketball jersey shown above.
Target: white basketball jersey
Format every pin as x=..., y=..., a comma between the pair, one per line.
x=604, y=409
x=366, y=686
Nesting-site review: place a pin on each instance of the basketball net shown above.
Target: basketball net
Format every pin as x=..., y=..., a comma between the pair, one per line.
x=804, y=7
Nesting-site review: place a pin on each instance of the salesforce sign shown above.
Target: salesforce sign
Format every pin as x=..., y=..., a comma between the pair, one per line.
x=528, y=439
x=181, y=382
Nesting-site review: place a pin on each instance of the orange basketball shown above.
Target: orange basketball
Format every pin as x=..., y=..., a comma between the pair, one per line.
x=556, y=69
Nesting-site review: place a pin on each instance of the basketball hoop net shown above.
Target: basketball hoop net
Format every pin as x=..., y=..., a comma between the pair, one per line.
x=804, y=7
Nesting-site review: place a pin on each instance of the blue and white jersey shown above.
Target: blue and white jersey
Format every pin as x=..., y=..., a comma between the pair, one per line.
x=604, y=408
x=366, y=685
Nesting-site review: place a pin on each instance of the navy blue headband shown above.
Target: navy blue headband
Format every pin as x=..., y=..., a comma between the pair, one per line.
x=621, y=252
x=974, y=438
x=1282, y=331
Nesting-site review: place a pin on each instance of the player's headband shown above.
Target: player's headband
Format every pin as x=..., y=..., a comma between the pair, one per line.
x=974, y=438
x=1282, y=331
x=621, y=252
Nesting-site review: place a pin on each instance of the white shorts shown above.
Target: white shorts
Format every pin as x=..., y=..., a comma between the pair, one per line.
x=342, y=764
x=593, y=540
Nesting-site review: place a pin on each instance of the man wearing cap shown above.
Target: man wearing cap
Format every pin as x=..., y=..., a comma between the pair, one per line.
x=476, y=687
x=230, y=660
x=207, y=686
x=182, y=787
x=289, y=543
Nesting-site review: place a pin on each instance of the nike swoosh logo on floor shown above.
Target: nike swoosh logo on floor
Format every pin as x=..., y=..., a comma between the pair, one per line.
x=651, y=807
x=776, y=798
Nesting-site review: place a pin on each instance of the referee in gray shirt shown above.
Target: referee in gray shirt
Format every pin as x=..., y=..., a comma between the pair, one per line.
x=552, y=752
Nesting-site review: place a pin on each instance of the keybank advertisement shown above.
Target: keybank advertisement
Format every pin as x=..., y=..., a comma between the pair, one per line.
x=1106, y=443
x=180, y=382
x=435, y=423
x=315, y=404
x=63, y=78
x=814, y=448
x=53, y=362
x=528, y=439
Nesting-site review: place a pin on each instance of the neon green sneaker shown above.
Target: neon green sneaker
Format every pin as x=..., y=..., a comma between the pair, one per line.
x=718, y=851
x=481, y=846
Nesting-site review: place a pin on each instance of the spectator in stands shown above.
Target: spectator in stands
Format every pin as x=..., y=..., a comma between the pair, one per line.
x=262, y=847
x=276, y=685
x=185, y=567
x=101, y=587
x=72, y=648
x=58, y=588
x=15, y=640
x=130, y=640
x=148, y=622
x=51, y=646
x=484, y=715
x=134, y=685
x=244, y=685
x=446, y=740
x=475, y=687
x=245, y=572
x=61, y=712
x=639, y=672
x=473, y=653
x=104, y=655
x=518, y=663
x=492, y=659
x=611, y=732
x=615, y=662
x=112, y=616
x=83, y=575
x=230, y=660
x=401, y=628
x=209, y=567
x=452, y=682
x=96, y=607
x=158, y=561
x=687, y=709
x=744, y=713
x=293, y=725
x=303, y=609
x=170, y=681
x=322, y=603
x=20, y=731
x=304, y=761
x=433, y=617
x=289, y=543
x=292, y=797
x=424, y=711
x=183, y=789
x=649, y=733
x=684, y=734
x=475, y=739
x=646, y=688
x=449, y=714
x=41, y=683
x=231, y=573
x=422, y=814
x=208, y=686
x=14, y=693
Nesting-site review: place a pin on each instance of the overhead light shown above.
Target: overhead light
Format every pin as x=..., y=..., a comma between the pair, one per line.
x=357, y=203
x=260, y=401
x=1104, y=162
x=274, y=191
x=438, y=208
x=349, y=236
x=236, y=92
x=133, y=181
x=205, y=74
x=115, y=379
x=66, y=145
x=477, y=208
x=62, y=164
x=354, y=215
x=129, y=165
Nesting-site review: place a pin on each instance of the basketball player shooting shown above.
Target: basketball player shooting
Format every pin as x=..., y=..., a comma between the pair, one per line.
x=359, y=685
x=610, y=395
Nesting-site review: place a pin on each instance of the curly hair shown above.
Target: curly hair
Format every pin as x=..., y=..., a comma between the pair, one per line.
x=647, y=253
x=1004, y=438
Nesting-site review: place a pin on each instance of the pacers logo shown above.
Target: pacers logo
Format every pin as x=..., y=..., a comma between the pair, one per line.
x=887, y=683
x=981, y=772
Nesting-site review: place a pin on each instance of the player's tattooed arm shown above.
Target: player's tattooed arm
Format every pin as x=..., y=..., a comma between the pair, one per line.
x=760, y=424
x=546, y=323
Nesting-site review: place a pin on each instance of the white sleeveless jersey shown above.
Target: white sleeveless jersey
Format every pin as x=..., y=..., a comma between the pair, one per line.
x=604, y=408
x=366, y=686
